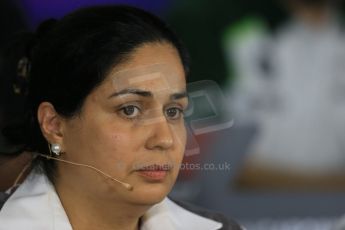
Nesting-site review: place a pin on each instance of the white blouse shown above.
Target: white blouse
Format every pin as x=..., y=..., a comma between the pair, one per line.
x=35, y=205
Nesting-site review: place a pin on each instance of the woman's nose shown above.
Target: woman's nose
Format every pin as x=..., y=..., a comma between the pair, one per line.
x=161, y=136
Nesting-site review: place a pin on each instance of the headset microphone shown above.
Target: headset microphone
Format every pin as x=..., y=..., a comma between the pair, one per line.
x=126, y=185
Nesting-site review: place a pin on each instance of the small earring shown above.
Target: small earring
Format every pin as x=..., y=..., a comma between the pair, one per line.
x=56, y=149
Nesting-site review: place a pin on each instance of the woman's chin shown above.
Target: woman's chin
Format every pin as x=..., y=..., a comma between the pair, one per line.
x=150, y=194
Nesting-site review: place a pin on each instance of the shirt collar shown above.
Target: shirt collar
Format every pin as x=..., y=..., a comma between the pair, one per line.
x=35, y=205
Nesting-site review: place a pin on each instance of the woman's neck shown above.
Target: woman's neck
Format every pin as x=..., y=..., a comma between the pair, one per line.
x=87, y=213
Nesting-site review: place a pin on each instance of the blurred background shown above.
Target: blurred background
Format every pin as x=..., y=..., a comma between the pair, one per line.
x=266, y=122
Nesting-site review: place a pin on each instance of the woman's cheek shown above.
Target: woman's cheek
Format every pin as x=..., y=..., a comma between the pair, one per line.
x=122, y=148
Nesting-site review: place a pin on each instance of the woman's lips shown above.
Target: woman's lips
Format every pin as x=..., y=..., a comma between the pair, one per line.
x=153, y=175
x=154, y=172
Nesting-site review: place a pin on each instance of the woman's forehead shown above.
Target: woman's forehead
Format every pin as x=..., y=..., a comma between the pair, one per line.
x=155, y=77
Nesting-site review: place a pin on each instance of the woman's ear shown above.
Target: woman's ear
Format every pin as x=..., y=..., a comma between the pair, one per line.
x=51, y=123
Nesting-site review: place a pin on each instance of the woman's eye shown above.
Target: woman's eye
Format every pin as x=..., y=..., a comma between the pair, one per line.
x=130, y=111
x=174, y=113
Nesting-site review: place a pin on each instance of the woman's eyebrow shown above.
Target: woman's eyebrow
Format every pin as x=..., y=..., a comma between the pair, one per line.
x=144, y=93
x=176, y=96
x=139, y=92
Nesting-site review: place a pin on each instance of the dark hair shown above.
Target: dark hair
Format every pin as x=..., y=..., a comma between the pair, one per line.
x=11, y=21
x=70, y=57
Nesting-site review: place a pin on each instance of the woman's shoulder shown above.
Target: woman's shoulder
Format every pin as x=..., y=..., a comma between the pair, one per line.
x=228, y=224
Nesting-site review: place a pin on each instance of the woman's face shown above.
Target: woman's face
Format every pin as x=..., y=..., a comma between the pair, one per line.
x=131, y=121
